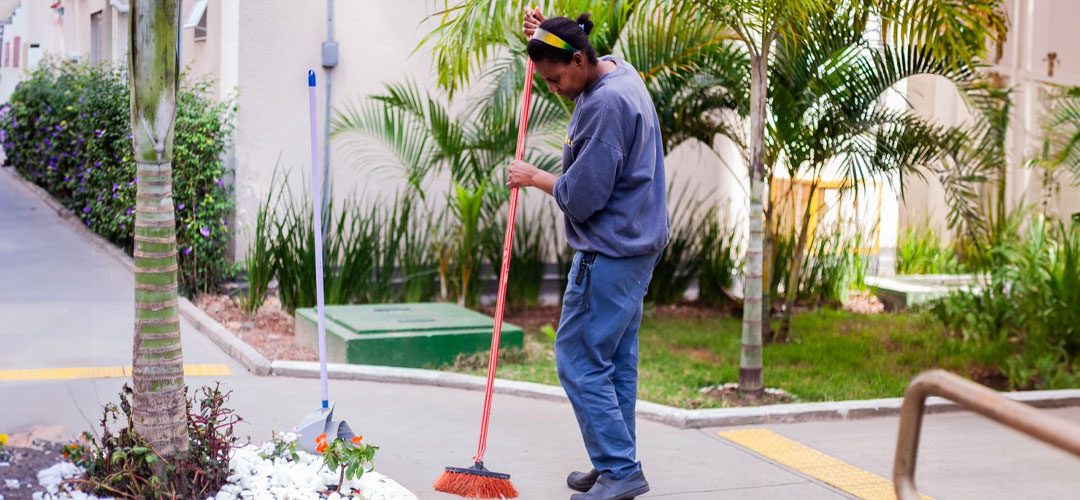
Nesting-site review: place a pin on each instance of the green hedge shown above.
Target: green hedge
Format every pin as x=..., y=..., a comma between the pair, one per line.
x=67, y=130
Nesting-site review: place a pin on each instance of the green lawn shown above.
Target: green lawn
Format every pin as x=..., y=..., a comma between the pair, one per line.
x=835, y=355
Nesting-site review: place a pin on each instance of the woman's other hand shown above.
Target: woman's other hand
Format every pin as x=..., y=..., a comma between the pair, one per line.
x=521, y=174
x=533, y=18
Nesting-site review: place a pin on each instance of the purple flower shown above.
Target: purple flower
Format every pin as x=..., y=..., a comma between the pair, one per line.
x=115, y=186
x=129, y=211
x=87, y=223
x=180, y=206
x=97, y=164
x=187, y=251
x=82, y=100
x=86, y=209
x=114, y=195
x=205, y=231
x=219, y=183
x=98, y=133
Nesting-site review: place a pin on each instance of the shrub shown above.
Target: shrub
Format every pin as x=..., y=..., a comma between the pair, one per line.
x=1029, y=306
x=920, y=252
x=67, y=130
x=833, y=265
x=720, y=261
x=531, y=252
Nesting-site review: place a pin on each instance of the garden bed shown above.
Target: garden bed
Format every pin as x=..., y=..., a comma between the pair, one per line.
x=270, y=330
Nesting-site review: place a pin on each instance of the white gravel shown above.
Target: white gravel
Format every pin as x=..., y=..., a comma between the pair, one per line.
x=257, y=478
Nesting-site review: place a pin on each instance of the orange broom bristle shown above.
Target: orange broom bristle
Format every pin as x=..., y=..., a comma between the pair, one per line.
x=469, y=485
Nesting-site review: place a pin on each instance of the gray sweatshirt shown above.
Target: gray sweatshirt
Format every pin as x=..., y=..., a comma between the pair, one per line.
x=612, y=188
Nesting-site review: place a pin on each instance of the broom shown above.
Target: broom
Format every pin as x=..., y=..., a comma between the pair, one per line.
x=477, y=481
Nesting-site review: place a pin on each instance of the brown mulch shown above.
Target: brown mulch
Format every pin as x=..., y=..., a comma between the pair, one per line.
x=269, y=331
x=531, y=320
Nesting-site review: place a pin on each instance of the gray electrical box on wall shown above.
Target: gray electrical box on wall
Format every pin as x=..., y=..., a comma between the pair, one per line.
x=329, y=54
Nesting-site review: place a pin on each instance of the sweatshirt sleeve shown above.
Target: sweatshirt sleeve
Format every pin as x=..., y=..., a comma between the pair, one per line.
x=586, y=186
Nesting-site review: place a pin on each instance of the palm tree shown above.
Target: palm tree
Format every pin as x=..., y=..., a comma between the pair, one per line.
x=825, y=96
x=158, y=407
x=954, y=32
x=1061, y=135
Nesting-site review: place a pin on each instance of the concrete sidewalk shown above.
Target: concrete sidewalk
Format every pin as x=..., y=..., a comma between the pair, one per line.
x=64, y=303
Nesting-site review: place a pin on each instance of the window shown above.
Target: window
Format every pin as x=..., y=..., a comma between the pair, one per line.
x=97, y=38
x=197, y=19
x=200, y=29
x=17, y=48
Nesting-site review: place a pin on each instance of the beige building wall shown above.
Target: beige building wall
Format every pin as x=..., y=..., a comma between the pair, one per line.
x=280, y=41
x=202, y=55
x=1040, y=31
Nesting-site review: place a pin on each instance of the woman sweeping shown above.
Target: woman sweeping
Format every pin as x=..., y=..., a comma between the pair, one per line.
x=612, y=194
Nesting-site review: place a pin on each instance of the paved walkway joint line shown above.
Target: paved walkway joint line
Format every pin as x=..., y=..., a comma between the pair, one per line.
x=212, y=370
x=810, y=462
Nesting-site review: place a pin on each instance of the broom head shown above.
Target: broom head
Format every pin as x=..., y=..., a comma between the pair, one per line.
x=475, y=482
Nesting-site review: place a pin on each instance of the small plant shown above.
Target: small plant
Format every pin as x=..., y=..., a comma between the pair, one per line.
x=351, y=457
x=259, y=261
x=920, y=252
x=283, y=445
x=121, y=463
x=5, y=455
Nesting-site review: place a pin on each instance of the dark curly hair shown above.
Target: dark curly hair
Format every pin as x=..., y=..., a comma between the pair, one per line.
x=574, y=32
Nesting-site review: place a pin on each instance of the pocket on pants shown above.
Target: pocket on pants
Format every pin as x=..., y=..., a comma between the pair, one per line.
x=580, y=284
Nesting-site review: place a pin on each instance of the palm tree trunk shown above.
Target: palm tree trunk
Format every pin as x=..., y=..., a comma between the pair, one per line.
x=750, y=378
x=767, y=271
x=158, y=409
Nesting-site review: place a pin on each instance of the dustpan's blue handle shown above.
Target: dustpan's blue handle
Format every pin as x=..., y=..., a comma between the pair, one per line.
x=317, y=225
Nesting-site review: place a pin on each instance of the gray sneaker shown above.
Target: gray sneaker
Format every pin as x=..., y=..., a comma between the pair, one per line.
x=582, y=481
x=616, y=489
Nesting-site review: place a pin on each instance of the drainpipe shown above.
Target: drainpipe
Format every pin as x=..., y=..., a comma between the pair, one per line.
x=329, y=61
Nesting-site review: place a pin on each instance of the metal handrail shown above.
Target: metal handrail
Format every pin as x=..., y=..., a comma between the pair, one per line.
x=979, y=399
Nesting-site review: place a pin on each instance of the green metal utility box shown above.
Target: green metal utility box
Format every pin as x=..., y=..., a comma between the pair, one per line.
x=408, y=335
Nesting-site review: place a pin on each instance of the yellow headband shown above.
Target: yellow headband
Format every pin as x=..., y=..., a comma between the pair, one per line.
x=552, y=40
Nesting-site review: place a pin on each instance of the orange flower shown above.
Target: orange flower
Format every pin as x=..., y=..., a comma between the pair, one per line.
x=357, y=439
x=321, y=438
x=322, y=447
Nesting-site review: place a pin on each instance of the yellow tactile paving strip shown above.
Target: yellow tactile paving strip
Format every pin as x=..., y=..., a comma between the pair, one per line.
x=212, y=370
x=810, y=462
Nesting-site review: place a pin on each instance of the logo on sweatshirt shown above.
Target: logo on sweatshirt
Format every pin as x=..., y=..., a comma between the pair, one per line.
x=568, y=142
